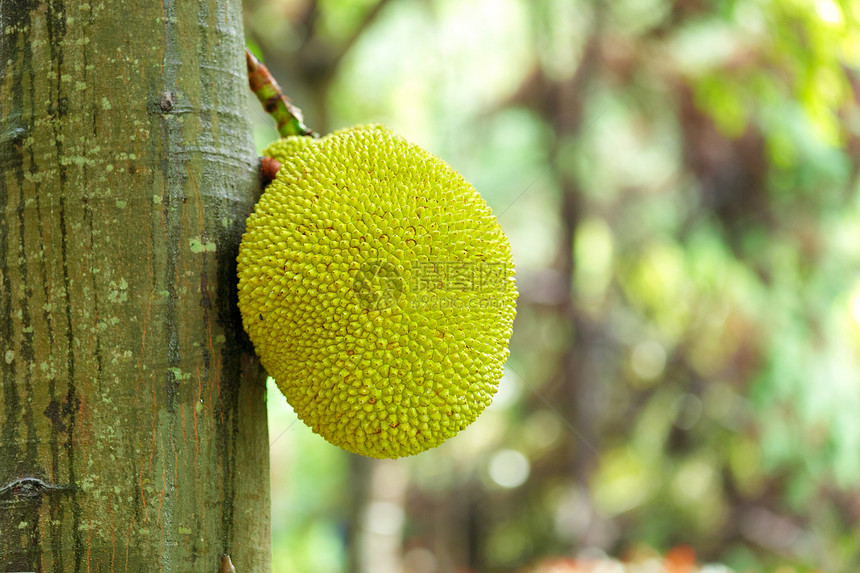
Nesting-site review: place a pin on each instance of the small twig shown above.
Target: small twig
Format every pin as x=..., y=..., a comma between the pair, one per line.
x=30, y=487
x=286, y=115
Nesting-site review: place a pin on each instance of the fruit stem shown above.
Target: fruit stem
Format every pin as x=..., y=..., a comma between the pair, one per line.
x=287, y=116
x=268, y=169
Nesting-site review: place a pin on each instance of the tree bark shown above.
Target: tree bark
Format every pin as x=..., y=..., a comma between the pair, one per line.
x=132, y=411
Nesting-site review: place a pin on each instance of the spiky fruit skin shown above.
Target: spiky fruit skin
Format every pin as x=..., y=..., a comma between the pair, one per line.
x=378, y=290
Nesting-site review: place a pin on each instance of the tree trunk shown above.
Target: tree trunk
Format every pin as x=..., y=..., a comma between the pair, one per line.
x=132, y=411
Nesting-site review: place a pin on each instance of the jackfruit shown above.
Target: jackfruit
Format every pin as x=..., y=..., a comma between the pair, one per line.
x=378, y=290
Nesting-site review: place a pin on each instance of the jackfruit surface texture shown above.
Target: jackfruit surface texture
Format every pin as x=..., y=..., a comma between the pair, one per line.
x=378, y=290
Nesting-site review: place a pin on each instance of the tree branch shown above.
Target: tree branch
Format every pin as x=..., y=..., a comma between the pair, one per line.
x=287, y=116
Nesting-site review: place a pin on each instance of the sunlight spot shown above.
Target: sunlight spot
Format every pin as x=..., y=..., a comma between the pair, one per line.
x=648, y=359
x=828, y=11
x=384, y=517
x=855, y=307
x=509, y=468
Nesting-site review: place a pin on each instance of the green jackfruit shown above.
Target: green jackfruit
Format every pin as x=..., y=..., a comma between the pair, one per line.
x=378, y=290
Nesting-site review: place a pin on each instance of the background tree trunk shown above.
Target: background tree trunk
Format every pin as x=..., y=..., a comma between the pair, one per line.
x=132, y=411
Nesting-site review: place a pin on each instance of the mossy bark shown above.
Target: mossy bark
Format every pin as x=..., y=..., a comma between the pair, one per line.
x=132, y=411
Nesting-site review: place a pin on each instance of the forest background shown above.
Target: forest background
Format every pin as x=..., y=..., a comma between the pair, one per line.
x=679, y=182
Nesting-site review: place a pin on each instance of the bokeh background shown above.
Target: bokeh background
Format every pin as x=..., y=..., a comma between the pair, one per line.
x=679, y=182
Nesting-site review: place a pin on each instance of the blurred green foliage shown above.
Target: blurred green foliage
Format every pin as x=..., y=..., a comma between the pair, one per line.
x=679, y=182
